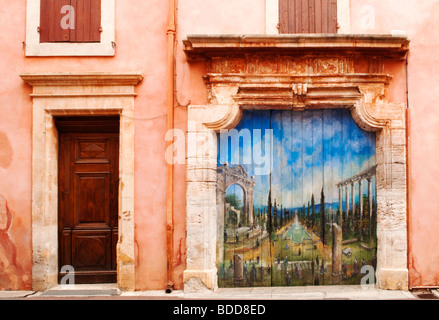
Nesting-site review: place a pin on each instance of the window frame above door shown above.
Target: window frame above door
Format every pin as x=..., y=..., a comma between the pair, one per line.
x=106, y=47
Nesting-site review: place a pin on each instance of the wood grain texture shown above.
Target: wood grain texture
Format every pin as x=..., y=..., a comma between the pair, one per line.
x=88, y=200
x=87, y=21
x=307, y=16
x=50, y=21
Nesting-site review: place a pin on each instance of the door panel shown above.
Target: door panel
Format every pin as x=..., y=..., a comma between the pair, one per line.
x=92, y=205
x=311, y=179
x=95, y=151
x=91, y=250
x=88, y=200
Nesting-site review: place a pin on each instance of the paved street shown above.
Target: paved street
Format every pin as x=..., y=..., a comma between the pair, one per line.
x=110, y=292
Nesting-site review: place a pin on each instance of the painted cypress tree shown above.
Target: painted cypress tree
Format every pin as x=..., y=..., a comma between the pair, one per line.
x=313, y=211
x=264, y=220
x=323, y=217
x=269, y=216
x=281, y=216
x=308, y=215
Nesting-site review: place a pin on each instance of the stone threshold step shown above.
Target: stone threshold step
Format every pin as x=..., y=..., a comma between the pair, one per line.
x=76, y=293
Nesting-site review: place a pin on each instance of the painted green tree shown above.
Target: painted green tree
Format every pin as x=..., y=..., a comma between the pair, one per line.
x=234, y=201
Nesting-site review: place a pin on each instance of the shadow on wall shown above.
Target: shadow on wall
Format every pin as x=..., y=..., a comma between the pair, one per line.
x=12, y=276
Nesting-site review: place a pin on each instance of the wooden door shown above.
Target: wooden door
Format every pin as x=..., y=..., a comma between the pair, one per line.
x=311, y=179
x=88, y=198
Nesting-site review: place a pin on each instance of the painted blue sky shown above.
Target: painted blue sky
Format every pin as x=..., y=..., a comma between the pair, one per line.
x=299, y=152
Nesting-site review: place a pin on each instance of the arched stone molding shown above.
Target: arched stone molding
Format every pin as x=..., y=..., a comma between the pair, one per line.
x=286, y=81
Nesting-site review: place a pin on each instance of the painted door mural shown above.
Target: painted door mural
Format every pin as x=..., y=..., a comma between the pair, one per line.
x=296, y=200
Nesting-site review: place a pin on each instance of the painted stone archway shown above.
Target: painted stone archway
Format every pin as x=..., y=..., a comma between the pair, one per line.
x=297, y=72
x=228, y=176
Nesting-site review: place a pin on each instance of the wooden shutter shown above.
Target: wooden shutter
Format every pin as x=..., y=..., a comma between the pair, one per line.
x=87, y=22
x=308, y=16
x=50, y=21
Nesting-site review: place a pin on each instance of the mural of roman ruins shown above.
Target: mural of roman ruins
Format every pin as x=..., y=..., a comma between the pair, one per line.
x=311, y=218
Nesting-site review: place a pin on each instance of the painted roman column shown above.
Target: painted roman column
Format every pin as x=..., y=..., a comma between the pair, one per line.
x=360, y=195
x=340, y=205
x=369, y=196
x=352, y=199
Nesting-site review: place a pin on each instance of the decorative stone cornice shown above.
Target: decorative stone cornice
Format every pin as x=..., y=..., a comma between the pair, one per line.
x=82, y=79
x=295, y=92
x=209, y=46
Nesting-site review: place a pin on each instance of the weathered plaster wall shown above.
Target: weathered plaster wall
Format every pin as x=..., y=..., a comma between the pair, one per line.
x=420, y=19
x=141, y=47
x=211, y=17
x=15, y=152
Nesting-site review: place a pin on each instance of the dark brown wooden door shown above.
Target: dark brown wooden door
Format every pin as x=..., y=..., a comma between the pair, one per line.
x=88, y=206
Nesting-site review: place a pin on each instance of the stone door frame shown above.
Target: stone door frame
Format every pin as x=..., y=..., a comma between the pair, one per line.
x=85, y=94
x=251, y=79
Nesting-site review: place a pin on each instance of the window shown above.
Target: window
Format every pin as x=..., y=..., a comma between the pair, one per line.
x=308, y=16
x=70, y=21
x=70, y=28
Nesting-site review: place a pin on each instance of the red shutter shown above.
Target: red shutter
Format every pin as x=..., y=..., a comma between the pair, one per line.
x=50, y=21
x=87, y=21
x=308, y=16
x=284, y=16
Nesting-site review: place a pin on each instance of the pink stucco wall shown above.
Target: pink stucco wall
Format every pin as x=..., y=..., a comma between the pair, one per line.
x=15, y=149
x=141, y=47
x=420, y=19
